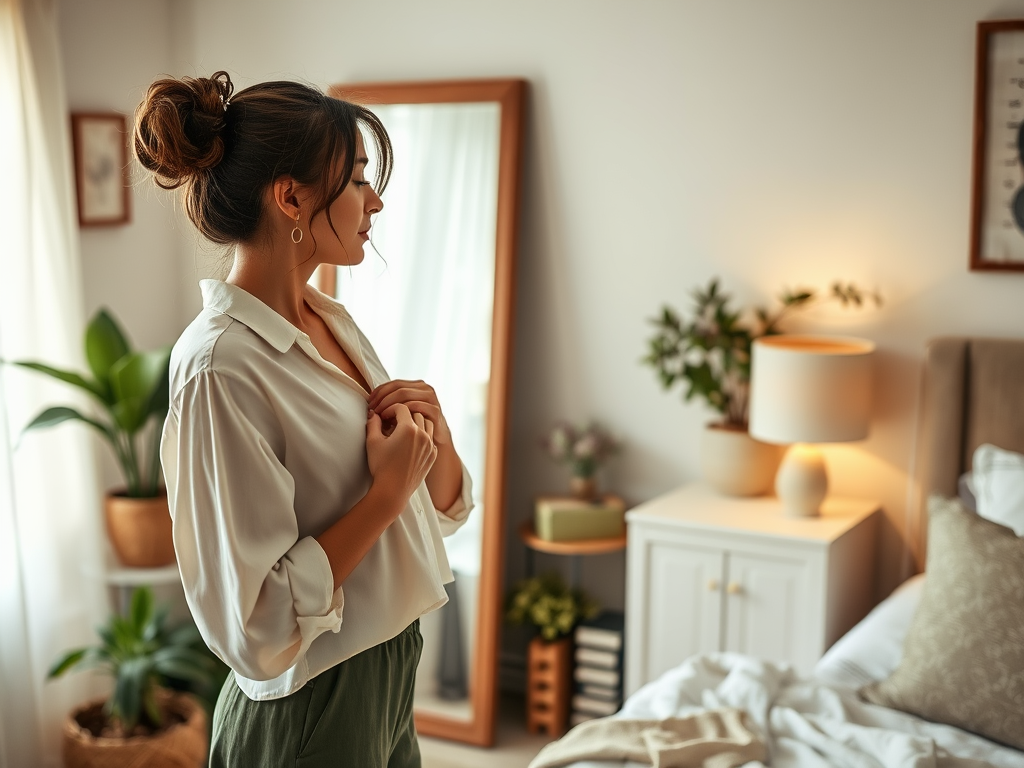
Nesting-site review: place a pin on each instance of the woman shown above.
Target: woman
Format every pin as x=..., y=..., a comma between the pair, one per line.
x=305, y=487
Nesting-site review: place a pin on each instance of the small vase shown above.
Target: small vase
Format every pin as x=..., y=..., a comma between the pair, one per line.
x=584, y=488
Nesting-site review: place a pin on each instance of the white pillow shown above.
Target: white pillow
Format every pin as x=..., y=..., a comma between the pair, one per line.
x=872, y=650
x=998, y=479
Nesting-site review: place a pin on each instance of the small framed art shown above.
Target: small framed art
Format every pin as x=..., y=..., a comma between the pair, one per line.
x=101, y=168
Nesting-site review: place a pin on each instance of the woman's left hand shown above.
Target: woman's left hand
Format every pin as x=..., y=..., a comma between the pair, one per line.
x=418, y=397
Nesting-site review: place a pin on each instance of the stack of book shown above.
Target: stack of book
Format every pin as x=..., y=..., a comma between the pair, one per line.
x=598, y=667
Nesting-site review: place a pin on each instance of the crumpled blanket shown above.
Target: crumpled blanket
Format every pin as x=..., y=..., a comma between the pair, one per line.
x=711, y=739
x=804, y=723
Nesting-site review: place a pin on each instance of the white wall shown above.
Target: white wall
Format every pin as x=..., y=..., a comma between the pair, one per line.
x=112, y=49
x=772, y=144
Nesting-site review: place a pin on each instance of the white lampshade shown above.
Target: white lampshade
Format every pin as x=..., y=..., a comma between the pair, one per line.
x=810, y=389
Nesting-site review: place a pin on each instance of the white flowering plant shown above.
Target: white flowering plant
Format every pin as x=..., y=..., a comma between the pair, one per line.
x=711, y=352
x=583, y=449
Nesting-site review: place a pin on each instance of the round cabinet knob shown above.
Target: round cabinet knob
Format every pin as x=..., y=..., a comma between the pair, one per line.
x=734, y=588
x=712, y=585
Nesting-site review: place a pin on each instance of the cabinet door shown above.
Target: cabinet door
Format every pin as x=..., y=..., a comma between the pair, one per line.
x=767, y=607
x=684, y=608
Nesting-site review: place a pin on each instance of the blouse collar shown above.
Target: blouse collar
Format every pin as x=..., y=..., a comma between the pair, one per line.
x=240, y=305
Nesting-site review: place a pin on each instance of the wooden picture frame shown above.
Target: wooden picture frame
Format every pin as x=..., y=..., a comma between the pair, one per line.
x=100, y=142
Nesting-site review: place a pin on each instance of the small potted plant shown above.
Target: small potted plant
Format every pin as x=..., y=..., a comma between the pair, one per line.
x=710, y=353
x=131, y=390
x=583, y=450
x=545, y=603
x=143, y=722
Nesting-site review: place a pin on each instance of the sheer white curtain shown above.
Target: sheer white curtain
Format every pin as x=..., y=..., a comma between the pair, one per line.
x=51, y=594
x=428, y=312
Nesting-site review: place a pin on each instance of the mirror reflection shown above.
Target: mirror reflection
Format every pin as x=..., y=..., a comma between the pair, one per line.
x=427, y=304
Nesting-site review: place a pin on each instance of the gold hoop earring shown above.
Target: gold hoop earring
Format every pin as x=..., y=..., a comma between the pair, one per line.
x=295, y=239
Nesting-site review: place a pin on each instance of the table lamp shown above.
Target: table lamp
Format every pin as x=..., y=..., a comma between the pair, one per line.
x=803, y=390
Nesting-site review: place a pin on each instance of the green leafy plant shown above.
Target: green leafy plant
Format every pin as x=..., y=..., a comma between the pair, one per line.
x=711, y=351
x=132, y=390
x=141, y=654
x=546, y=603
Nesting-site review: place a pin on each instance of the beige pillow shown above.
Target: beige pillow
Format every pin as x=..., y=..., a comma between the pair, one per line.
x=963, y=657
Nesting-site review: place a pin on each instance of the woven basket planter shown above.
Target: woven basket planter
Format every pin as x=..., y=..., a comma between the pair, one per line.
x=182, y=745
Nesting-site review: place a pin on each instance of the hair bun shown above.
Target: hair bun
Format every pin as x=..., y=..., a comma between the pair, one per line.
x=179, y=127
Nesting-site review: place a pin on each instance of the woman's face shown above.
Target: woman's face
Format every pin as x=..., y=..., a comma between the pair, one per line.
x=350, y=213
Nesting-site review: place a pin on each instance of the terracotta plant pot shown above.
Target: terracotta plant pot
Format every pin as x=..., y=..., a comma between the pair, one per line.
x=735, y=464
x=140, y=530
x=548, y=684
x=182, y=745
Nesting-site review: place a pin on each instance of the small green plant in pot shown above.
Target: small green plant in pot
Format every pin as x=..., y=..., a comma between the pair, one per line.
x=554, y=610
x=131, y=390
x=143, y=721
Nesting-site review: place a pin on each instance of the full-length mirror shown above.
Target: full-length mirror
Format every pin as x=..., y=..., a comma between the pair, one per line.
x=437, y=305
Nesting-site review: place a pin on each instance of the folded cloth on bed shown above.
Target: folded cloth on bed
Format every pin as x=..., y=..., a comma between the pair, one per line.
x=717, y=738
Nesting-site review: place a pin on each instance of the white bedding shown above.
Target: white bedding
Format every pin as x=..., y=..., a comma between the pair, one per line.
x=872, y=650
x=820, y=722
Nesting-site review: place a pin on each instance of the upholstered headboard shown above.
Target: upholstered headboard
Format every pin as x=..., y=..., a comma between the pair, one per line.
x=973, y=394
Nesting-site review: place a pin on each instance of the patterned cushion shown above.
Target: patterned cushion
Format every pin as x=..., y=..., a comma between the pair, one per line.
x=963, y=657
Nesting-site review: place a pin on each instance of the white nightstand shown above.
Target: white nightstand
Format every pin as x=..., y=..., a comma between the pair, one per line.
x=709, y=573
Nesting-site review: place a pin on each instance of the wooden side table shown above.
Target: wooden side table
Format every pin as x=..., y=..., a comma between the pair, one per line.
x=549, y=665
x=573, y=549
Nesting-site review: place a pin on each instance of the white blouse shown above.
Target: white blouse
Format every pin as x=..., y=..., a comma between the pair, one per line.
x=264, y=447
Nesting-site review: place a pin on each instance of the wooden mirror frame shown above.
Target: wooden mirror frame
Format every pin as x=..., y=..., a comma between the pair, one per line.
x=510, y=94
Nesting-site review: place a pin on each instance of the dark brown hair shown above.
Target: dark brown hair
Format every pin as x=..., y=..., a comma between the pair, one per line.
x=225, y=151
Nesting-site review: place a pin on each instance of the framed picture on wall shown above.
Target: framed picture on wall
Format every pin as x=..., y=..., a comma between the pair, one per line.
x=101, y=168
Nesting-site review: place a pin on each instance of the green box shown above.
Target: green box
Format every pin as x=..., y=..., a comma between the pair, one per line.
x=568, y=519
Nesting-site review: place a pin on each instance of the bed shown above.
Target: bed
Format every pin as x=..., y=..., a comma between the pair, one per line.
x=973, y=394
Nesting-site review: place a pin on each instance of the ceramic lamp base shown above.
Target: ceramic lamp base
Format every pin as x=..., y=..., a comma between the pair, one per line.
x=802, y=481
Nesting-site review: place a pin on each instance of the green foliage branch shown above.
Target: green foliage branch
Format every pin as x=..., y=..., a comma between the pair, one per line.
x=141, y=654
x=132, y=391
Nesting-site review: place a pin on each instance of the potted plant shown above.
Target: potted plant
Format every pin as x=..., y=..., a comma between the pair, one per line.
x=131, y=390
x=711, y=353
x=554, y=611
x=142, y=722
x=583, y=450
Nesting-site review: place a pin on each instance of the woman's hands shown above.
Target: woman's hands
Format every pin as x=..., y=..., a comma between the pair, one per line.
x=398, y=461
x=444, y=476
x=419, y=397
x=401, y=458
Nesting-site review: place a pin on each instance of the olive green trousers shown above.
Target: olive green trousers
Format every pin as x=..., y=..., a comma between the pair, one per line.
x=358, y=714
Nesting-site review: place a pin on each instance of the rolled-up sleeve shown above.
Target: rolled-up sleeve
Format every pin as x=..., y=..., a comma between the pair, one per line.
x=453, y=518
x=259, y=593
